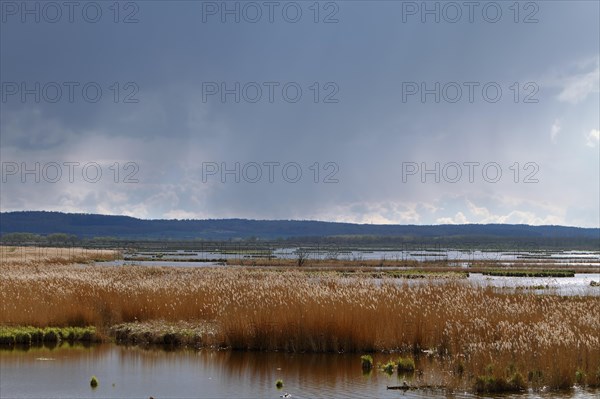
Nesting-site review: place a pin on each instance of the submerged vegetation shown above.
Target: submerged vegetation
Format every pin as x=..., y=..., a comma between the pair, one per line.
x=469, y=327
x=94, y=381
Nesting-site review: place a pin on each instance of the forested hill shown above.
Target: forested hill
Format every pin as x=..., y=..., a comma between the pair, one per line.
x=124, y=227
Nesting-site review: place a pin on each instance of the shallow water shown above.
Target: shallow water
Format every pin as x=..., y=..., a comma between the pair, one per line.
x=422, y=255
x=577, y=285
x=193, y=258
x=130, y=372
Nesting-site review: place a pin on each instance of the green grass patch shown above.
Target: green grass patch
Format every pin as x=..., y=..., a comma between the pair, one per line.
x=406, y=365
x=388, y=367
x=491, y=383
x=27, y=335
x=366, y=362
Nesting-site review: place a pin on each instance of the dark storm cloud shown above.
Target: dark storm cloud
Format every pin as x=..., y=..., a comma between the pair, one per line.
x=165, y=115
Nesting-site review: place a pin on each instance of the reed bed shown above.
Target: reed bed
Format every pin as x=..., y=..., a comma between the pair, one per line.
x=484, y=334
x=11, y=256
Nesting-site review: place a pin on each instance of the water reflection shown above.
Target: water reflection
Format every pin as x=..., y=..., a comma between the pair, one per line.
x=576, y=285
x=132, y=372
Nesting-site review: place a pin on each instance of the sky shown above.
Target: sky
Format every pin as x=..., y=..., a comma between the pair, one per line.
x=391, y=112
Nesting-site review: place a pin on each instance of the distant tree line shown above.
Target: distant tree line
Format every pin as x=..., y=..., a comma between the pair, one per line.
x=326, y=244
x=55, y=228
x=31, y=238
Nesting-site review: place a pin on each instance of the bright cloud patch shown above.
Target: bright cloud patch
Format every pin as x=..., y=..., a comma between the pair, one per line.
x=593, y=138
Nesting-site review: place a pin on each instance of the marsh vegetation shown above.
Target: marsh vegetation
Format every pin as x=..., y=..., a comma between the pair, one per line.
x=486, y=338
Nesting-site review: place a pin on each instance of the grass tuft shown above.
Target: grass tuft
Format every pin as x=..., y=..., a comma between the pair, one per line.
x=388, y=367
x=366, y=362
x=26, y=336
x=406, y=364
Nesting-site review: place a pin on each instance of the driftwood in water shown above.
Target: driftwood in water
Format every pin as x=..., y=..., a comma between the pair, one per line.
x=403, y=387
x=406, y=387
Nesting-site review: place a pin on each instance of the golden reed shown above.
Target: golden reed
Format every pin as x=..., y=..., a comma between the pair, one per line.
x=549, y=339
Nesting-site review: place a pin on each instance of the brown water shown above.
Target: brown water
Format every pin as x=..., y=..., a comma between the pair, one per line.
x=133, y=372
